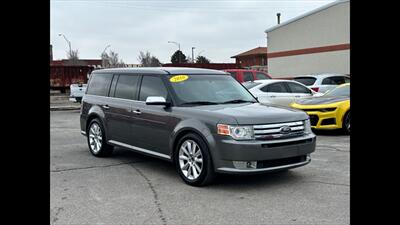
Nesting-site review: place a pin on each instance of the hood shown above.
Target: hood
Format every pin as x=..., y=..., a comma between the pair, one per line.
x=256, y=113
x=321, y=100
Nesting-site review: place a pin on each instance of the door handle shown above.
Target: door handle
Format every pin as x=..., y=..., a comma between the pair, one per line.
x=297, y=96
x=137, y=112
x=105, y=106
x=272, y=96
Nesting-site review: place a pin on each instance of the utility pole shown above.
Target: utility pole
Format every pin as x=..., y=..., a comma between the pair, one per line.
x=193, y=54
x=102, y=56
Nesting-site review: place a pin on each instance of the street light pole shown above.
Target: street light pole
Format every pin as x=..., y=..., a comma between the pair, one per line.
x=102, y=55
x=179, y=47
x=193, y=54
x=69, y=43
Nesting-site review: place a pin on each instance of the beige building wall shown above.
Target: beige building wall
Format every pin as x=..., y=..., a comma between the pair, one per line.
x=328, y=27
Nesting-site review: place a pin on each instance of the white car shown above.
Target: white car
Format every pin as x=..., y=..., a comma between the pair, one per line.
x=323, y=82
x=77, y=92
x=279, y=92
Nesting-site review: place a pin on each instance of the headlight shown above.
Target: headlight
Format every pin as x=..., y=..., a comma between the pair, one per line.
x=307, y=126
x=236, y=132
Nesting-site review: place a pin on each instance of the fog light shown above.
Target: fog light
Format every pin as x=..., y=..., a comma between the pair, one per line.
x=245, y=164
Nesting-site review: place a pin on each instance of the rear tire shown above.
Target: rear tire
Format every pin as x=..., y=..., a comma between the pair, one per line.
x=96, y=139
x=193, y=161
x=346, y=123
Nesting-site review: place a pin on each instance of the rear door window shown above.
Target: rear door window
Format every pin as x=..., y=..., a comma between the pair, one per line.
x=297, y=88
x=99, y=84
x=248, y=76
x=249, y=85
x=308, y=81
x=127, y=86
x=261, y=76
x=334, y=80
x=275, y=87
x=152, y=86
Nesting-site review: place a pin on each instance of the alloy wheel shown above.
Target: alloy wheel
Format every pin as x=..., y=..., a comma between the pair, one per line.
x=190, y=159
x=95, y=137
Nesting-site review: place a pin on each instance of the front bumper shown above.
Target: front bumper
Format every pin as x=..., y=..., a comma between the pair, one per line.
x=269, y=155
x=320, y=117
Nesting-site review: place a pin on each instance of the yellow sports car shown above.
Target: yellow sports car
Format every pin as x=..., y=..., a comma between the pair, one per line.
x=329, y=111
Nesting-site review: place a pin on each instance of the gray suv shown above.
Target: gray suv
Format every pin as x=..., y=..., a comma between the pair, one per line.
x=203, y=121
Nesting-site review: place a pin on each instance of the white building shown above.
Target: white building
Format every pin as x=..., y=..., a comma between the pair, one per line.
x=316, y=42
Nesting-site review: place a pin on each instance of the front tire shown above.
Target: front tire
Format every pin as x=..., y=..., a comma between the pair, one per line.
x=96, y=139
x=193, y=161
x=346, y=123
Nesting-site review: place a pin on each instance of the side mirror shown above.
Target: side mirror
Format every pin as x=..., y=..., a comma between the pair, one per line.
x=156, y=100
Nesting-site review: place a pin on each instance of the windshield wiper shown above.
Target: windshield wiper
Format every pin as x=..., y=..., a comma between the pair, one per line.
x=237, y=101
x=200, y=103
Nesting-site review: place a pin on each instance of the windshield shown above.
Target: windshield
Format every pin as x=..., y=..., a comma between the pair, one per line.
x=208, y=89
x=339, y=91
x=250, y=84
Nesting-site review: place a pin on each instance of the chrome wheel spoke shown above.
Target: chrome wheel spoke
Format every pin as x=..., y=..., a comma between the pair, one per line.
x=198, y=160
x=185, y=167
x=182, y=157
x=194, y=171
x=185, y=151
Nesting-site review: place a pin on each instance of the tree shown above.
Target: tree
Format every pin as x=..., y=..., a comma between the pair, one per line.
x=73, y=57
x=202, y=59
x=112, y=60
x=147, y=60
x=178, y=57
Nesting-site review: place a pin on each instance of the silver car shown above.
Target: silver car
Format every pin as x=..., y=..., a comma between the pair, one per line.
x=323, y=82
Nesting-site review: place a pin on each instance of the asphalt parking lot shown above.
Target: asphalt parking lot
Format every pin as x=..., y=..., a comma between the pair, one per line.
x=130, y=188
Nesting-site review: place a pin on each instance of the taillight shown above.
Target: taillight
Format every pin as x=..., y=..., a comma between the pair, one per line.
x=315, y=89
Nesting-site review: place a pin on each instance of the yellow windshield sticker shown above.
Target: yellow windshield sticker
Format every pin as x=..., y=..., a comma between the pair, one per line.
x=178, y=78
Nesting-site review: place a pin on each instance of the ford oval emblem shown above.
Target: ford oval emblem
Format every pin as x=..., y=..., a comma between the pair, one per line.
x=285, y=130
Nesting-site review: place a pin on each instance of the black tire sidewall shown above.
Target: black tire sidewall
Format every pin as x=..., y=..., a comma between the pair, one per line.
x=207, y=163
x=344, y=122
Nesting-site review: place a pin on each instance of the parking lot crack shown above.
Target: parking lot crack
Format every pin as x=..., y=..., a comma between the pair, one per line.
x=322, y=182
x=155, y=194
x=93, y=167
x=333, y=148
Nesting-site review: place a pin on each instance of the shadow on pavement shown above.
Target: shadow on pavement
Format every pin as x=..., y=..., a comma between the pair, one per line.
x=222, y=181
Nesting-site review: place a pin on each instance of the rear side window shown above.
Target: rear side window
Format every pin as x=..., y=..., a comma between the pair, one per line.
x=249, y=85
x=308, y=81
x=247, y=76
x=346, y=79
x=99, y=84
x=297, y=88
x=126, y=87
x=334, y=80
x=275, y=87
x=261, y=76
x=233, y=74
x=152, y=86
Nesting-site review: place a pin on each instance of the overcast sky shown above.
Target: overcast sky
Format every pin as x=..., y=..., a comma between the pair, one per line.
x=218, y=29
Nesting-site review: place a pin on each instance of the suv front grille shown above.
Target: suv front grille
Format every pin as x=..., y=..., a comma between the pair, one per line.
x=279, y=130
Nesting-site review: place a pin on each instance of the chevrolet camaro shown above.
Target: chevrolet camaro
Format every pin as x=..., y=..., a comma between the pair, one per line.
x=329, y=111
